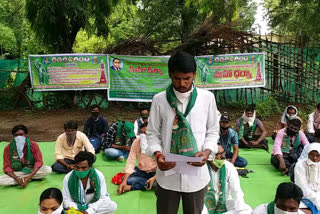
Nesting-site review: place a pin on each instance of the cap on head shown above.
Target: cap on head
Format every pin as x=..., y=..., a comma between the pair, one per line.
x=129, y=129
x=225, y=118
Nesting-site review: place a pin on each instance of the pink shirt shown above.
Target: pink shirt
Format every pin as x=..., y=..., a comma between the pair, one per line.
x=279, y=140
x=36, y=153
x=145, y=163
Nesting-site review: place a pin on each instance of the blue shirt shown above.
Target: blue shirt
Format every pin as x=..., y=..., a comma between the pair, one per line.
x=231, y=138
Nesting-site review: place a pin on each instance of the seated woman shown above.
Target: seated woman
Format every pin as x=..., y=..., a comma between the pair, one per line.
x=141, y=177
x=51, y=202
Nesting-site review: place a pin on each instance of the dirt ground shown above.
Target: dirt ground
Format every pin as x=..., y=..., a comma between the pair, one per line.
x=47, y=125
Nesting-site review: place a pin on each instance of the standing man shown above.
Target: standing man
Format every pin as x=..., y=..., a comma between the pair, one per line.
x=22, y=160
x=68, y=145
x=184, y=120
x=144, y=115
x=95, y=127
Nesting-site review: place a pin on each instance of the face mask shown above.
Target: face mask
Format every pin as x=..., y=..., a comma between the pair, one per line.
x=218, y=163
x=82, y=174
x=224, y=128
x=95, y=114
x=20, y=141
x=279, y=211
x=143, y=143
x=57, y=211
x=290, y=132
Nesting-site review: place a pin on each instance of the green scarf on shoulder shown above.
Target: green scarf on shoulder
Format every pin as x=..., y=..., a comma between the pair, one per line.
x=246, y=131
x=271, y=207
x=120, y=138
x=212, y=205
x=182, y=139
x=286, y=143
x=16, y=164
x=75, y=189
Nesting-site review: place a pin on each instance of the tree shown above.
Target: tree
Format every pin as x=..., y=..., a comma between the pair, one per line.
x=57, y=22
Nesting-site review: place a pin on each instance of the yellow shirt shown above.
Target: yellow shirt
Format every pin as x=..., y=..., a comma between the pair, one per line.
x=63, y=150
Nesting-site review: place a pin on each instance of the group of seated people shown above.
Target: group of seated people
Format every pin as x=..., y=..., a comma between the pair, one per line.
x=84, y=187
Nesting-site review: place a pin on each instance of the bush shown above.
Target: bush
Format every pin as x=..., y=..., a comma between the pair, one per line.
x=266, y=108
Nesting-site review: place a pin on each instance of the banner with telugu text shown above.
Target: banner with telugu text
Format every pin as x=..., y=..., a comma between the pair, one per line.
x=231, y=71
x=135, y=78
x=68, y=72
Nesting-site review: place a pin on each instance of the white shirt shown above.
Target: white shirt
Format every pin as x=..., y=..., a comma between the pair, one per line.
x=263, y=209
x=302, y=177
x=136, y=126
x=92, y=207
x=204, y=122
x=234, y=196
x=310, y=123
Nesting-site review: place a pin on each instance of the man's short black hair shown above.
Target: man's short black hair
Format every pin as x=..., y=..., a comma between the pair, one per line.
x=290, y=108
x=84, y=156
x=116, y=59
x=143, y=108
x=70, y=125
x=94, y=106
x=143, y=125
x=296, y=122
x=288, y=191
x=19, y=127
x=182, y=62
x=53, y=193
x=318, y=106
x=251, y=108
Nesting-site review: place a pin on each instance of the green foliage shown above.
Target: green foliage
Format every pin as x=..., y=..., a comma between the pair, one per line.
x=298, y=17
x=266, y=108
x=86, y=43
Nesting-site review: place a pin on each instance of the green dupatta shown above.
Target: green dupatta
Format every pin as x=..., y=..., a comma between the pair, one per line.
x=119, y=136
x=182, y=139
x=286, y=143
x=212, y=205
x=246, y=132
x=16, y=164
x=75, y=189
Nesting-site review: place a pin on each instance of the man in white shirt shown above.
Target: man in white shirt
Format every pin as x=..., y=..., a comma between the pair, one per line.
x=224, y=192
x=144, y=115
x=287, y=201
x=184, y=120
x=313, y=124
x=307, y=176
x=84, y=188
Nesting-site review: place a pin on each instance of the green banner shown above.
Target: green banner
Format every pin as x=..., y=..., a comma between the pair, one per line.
x=134, y=78
x=230, y=71
x=68, y=72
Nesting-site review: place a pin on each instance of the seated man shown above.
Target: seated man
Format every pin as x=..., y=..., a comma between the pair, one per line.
x=224, y=193
x=143, y=176
x=287, y=200
x=22, y=160
x=85, y=189
x=95, y=127
x=304, y=153
x=246, y=126
x=117, y=142
x=313, y=124
x=228, y=138
x=144, y=115
x=291, y=112
x=288, y=146
x=307, y=177
x=68, y=145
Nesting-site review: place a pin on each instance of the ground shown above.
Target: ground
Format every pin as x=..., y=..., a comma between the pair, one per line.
x=46, y=125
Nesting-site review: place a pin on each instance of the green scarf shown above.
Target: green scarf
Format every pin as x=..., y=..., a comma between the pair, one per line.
x=16, y=164
x=120, y=138
x=246, y=131
x=286, y=143
x=182, y=139
x=75, y=189
x=214, y=207
x=271, y=207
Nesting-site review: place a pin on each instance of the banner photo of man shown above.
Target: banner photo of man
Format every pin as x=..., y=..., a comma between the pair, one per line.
x=135, y=78
x=68, y=72
x=231, y=71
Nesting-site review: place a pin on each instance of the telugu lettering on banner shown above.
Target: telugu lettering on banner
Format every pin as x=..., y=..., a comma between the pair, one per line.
x=230, y=71
x=135, y=78
x=68, y=72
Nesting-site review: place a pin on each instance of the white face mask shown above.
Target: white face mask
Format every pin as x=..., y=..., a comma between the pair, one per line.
x=20, y=141
x=143, y=143
x=279, y=211
x=57, y=211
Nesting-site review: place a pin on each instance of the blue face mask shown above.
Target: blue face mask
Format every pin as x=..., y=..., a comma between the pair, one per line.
x=82, y=174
